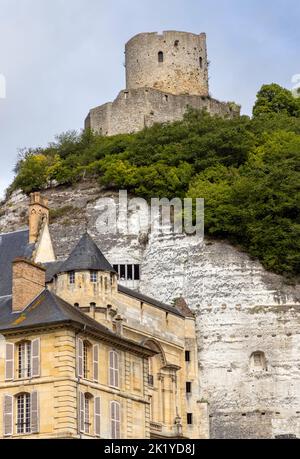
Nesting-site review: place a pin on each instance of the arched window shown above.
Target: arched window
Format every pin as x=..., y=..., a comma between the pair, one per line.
x=201, y=62
x=114, y=369
x=24, y=359
x=23, y=413
x=115, y=420
x=258, y=361
x=160, y=56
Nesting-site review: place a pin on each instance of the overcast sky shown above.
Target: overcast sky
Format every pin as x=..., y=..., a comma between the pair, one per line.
x=62, y=57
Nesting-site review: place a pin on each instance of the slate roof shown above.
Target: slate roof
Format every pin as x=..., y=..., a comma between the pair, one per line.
x=146, y=299
x=49, y=309
x=86, y=256
x=52, y=269
x=12, y=245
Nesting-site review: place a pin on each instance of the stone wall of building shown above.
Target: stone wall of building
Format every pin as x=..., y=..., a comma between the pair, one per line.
x=175, y=62
x=135, y=109
x=240, y=308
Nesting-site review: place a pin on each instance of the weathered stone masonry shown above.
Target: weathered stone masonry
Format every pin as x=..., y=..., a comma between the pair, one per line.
x=165, y=74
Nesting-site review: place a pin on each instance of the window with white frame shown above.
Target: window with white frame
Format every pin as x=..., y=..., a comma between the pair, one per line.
x=90, y=414
x=114, y=369
x=93, y=277
x=72, y=277
x=87, y=422
x=128, y=272
x=86, y=358
x=24, y=359
x=115, y=419
x=20, y=414
x=23, y=413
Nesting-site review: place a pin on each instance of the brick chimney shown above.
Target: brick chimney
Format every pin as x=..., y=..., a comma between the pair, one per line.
x=38, y=213
x=27, y=283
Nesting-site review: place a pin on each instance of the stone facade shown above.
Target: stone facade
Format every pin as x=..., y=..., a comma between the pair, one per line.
x=158, y=383
x=58, y=388
x=173, y=62
x=135, y=109
x=165, y=74
x=240, y=309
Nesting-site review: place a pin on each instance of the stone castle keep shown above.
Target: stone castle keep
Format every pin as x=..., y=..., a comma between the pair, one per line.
x=165, y=74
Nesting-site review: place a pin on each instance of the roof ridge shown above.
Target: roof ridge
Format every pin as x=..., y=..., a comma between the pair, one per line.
x=77, y=311
x=14, y=232
x=151, y=300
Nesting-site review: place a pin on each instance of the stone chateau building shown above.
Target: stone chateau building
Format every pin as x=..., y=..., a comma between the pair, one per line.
x=85, y=357
x=165, y=74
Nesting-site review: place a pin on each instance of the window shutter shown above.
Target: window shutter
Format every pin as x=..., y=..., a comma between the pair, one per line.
x=112, y=420
x=34, y=414
x=96, y=362
x=81, y=412
x=97, y=416
x=117, y=410
x=9, y=361
x=35, y=358
x=8, y=410
x=115, y=420
x=111, y=368
x=116, y=369
x=80, y=358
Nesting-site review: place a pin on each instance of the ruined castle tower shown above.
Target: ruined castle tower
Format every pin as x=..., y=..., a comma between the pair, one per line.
x=165, y=74
x=175, y=62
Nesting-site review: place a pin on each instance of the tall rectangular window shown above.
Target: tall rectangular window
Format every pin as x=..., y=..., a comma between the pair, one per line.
x=72, y=277
x=123, y=272
x=94, y=276
x=189, y=418
x=187, y=356
x=129, y=272
x=86, y=348
x=114, y=369
x=115, y=420
x=24, y=359
x=188, y=387
x=23, y=413
x=136, y=272
x=86, y=413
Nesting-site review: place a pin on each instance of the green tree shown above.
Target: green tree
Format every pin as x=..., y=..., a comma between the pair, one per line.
x=273, y=98
x=32, y=173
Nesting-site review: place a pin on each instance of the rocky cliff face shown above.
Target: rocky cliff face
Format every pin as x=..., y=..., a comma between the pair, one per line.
x=240, y=308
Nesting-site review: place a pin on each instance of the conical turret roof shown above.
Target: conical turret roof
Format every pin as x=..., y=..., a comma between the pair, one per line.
x=86, y=256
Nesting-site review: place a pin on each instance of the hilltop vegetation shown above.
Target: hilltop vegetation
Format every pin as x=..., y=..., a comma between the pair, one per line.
x=246, y=169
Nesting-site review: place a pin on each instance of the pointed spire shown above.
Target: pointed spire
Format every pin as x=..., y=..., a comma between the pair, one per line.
x=86, y=256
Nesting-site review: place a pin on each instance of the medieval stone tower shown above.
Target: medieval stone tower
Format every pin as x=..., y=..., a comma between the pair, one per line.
x=165, y=74
x=175, y=62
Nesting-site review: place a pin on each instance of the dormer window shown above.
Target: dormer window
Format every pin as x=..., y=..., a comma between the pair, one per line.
x=72, y=277
x=93, y=277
